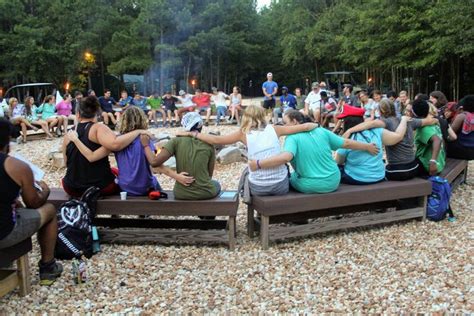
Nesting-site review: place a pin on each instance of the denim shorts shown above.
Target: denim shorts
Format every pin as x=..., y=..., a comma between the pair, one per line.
x=28, y=222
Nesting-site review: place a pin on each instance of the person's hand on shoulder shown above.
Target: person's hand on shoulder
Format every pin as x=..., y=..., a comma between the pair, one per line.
x=310, y=126
x=144, y=140
x=347, y=134
x=73, y=136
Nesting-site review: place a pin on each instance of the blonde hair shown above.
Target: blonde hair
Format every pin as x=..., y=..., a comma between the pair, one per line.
x=11, y=101
x=253, y=118
x=433, y=109
x=133, y=118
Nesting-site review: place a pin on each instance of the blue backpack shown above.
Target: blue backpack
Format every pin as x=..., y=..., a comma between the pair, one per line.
x=438, y=201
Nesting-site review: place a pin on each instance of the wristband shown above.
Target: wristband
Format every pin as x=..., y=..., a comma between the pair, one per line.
x=258, y=164
x=432, y=160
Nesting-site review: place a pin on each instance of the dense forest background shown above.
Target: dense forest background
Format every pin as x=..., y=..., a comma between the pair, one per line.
x=418, y=45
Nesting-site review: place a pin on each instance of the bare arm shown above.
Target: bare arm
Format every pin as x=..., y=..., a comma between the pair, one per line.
x=64, y=147
x=391, y=138
x=436, y=147
x=293, y=129
x=184, y=178
x=458, y=122
x=271, y=162
x=364, y=126
x=452, y=136
x=340, y=159
x=429, y=120
x=217, y=140
x=112, y=142
x=21, y=173
x=90, y=155
x=355, y=145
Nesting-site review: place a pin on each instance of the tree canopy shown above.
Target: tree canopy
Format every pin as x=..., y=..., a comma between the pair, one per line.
x=418, y=45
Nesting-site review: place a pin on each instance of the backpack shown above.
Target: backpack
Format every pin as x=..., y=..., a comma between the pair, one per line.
x=438, y=201
x=75, y=226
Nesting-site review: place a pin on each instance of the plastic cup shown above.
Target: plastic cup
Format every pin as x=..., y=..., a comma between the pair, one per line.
x=123, y=196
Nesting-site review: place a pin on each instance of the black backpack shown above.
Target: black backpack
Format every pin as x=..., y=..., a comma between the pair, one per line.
x=74, y=226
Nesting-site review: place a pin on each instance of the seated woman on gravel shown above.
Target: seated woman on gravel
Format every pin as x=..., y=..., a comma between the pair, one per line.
x=402, y=163
x=18, y=117
x=32, y=117
x=135, y=176
x=310, y=155
x=19, y=222
x=48, y=113
x=82, y=174
x=262, y=141
x=359, y=167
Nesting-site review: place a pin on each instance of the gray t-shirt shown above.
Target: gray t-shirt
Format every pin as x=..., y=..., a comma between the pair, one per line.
x=404, y=151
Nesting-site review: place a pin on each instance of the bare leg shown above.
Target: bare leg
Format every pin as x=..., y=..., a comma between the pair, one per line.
x=24, y=130
x=65, y=123
x=163, y=116
x=237, y=114
x=208, y=115
x=48, y=232
x=105, y=117
x=44, y=126
x=112, y=117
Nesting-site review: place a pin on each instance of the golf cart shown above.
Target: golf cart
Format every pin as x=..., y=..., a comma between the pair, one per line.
x=37, y=90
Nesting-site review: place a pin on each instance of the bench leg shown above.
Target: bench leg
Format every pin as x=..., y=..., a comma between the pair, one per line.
x=264, y=231
x=250, y=222
x=23, y=267
x=423, y=204
x=232, y=232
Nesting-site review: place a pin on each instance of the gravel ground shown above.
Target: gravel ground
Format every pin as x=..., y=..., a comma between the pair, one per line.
x=409, y=267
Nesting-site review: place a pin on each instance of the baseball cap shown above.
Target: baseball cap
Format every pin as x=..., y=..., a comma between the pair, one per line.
x=190, y=119
x=284, y=88
x=269, y=74
x=214, y=89
x=348, y=110
x=315, y=84
x=181, y=92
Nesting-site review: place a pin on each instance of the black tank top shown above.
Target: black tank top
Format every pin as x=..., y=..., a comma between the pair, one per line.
x=9, y=192
x=82, y=174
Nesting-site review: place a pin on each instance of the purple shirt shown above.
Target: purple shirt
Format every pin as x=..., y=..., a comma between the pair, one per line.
x=135, y=175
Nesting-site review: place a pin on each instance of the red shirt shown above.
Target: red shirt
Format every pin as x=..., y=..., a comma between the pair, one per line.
x=204, y=100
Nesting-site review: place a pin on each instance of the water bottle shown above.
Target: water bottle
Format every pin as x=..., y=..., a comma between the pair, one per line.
x=95, y=240
x=79, y=270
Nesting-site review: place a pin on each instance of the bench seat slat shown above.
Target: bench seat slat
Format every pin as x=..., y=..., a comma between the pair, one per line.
x=346, y=195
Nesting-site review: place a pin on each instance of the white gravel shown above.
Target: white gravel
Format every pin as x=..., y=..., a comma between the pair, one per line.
x=409, y=267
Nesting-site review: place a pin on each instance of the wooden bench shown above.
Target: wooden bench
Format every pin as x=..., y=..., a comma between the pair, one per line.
x=408, y=198
x=197, y=230
x=12, y=278
x=455, y=171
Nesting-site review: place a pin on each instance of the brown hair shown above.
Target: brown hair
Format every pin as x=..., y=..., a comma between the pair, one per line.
x=133, y=118
x=387, y=108
x=440, y=97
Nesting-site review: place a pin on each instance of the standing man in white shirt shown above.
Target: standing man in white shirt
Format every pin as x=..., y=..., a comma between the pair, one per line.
x=313, y=104
x=269, y=89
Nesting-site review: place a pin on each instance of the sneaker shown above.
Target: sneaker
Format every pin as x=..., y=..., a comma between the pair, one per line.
x=48, y=273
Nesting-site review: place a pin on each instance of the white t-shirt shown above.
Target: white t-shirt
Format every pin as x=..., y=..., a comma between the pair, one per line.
x=186, y=100
x=314, y=100
x=219, y=99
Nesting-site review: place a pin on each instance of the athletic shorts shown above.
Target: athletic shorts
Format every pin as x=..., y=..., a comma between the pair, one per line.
x=269, y=104
x=28, y=222
x=203, y=108
x=171, y=108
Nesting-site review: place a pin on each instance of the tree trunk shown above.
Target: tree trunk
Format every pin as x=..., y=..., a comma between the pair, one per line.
x=162, y=76
x=218, y=74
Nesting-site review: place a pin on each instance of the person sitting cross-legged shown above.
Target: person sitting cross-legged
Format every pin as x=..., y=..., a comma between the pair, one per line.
x=18, y=222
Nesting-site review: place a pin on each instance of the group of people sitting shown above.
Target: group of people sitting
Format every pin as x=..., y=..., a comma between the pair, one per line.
x=173, y=107
x=414, y=144
x=50, y=116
